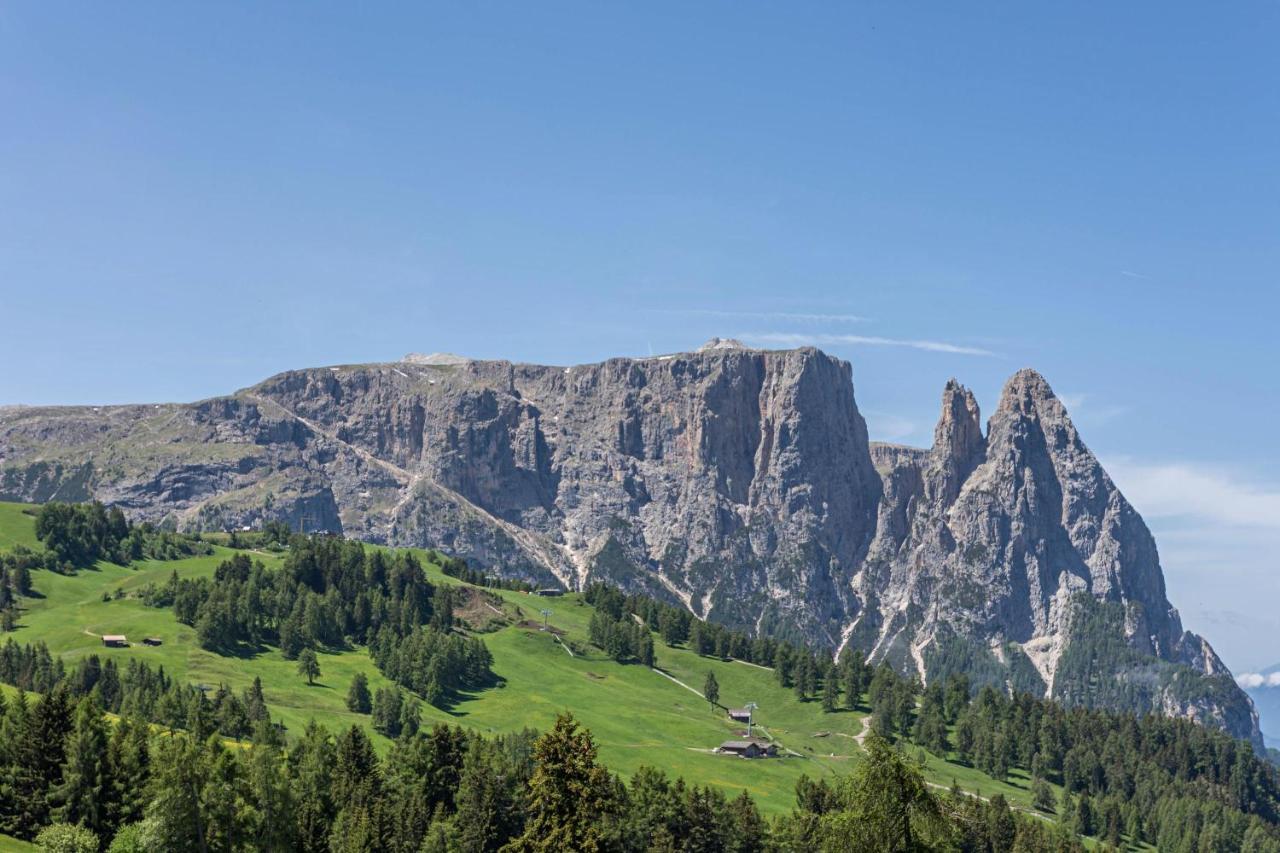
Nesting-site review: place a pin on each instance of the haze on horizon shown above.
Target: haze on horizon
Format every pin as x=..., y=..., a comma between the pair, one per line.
x=198, y=198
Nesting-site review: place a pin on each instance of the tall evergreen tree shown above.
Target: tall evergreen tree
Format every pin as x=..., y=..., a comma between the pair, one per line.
x=38, y=757
x=830, y=691
x=571, y=797
x=711, y=689
x=84, y=794
x=358, y=699
x=311, y=768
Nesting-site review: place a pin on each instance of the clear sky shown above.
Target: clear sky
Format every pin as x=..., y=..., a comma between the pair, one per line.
x=193, y=197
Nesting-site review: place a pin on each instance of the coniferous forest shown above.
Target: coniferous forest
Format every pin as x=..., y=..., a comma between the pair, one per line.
x=99, y=756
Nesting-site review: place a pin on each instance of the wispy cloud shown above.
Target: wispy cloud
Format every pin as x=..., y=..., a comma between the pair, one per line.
x=1218, y=534
x=1181, y=490
x=1084, y=410
x=792, y=339
x=884, y=426
x=799, y=317
x=1132, y=274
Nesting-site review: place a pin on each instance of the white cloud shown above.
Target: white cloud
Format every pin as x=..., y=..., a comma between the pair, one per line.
x=767, y=315
x=1257, y=679
x=1181, y=490
x=1218, y=534
x=790, y=339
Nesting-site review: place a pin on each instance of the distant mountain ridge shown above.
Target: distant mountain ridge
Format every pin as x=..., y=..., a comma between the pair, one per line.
x=739, y=482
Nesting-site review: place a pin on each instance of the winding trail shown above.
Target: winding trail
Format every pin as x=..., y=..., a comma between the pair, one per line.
x=697, y=693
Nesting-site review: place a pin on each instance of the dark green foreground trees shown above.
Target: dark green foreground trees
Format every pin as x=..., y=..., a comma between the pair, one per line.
x=121, y=787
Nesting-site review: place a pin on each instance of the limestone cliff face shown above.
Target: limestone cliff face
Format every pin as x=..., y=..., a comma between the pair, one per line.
x=1017, y=549
x=738, y=482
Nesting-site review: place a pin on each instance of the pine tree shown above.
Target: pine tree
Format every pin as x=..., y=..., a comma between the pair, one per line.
x=129, y=771
x=308, y=665
x=255, y=704
x=37, y=758
x=782, y=666
x=885, y=805
x=801, y=677
x=84, y=795
x=645, y=652
x=358, y=696
x=224, y=798
x=272, y=830
x=175, y=810
x=311, y=765
x=747, y=831
x=488, y=812
x=356, y=765
x=1084, y=818
x=852, y=674
x=570, y=797
x=1042, y=796
x=830, y=691
x=711, y=689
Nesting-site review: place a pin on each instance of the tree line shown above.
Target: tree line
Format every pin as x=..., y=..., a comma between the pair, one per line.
x=136, y=690
x=1166, y=782
x=332, y=593
x=76, y=782
x=76, y=536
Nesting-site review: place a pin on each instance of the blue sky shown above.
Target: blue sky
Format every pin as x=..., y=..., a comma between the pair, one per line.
x=194, y=198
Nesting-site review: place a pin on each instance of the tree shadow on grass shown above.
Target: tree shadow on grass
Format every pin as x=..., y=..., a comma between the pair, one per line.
x=454, y=703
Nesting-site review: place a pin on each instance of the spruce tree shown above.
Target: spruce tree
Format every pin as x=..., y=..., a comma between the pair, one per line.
x=311, y=764
x=358, y=696
x=571, y=798
x=37, y=763
x=176, y=811
x=711, y=689
x=268, y=789
x=830, y=691
x=129, y=772
x=83, y=797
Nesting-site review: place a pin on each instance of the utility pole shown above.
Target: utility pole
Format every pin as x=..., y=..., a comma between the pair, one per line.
x=546, y=614
x=751, y=709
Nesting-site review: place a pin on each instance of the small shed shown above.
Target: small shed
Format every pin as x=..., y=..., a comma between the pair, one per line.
x=740, y=715
x=115, y=641
x=748, y=748
x=152, y=641
x=549, y=593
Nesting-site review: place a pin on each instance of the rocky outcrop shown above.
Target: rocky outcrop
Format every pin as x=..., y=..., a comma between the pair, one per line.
x=738, y=482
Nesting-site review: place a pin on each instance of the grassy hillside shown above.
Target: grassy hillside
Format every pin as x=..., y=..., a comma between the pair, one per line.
x=638, y=716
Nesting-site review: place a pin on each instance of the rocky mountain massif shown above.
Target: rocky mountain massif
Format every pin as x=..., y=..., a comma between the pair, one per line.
x=739, y=482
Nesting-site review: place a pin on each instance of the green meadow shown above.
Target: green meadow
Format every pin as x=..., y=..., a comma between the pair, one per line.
x=638, y=716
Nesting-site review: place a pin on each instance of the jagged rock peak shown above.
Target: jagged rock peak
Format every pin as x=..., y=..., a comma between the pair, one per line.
x=722, y=343
x=435, y=358
x=1027, y=392
x=738, y=482
x=959, y=429
x=958, y=444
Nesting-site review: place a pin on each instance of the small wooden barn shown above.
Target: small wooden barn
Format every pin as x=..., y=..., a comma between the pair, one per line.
x=748, y=748
x=115, y=641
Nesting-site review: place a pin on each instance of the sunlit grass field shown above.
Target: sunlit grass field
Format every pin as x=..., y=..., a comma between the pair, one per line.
x=638, y=716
